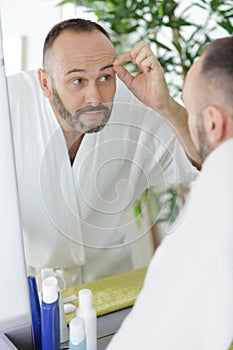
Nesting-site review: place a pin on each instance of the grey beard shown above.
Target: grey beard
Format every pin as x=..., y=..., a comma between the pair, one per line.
x=74, y=120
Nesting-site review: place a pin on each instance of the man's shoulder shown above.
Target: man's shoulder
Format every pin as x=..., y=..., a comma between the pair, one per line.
x=24, y=89
x=23, y=77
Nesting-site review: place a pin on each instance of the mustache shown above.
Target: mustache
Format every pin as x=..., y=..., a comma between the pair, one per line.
x=91, y=109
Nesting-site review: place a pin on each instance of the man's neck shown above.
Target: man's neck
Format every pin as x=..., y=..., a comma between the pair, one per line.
x=73, y=141
x=73, y=138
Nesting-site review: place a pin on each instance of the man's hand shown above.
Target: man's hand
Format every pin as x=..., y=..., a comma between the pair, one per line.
x=149, y=84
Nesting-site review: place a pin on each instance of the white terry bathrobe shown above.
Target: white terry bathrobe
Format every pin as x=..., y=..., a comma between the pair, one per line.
x=71, y=215
x=187, y=299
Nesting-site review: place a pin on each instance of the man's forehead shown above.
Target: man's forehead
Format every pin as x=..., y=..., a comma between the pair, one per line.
x=87, y=43
x=80, y=50
x=195, y=69
x=192, y=75
x=96, y=64
x=86, y=70
x=196, y=89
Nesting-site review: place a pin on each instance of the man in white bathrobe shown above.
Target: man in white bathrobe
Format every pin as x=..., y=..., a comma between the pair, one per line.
x=187, y=298
x=81, y=159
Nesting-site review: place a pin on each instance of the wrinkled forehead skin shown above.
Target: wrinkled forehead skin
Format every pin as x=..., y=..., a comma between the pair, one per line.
x=89, y=51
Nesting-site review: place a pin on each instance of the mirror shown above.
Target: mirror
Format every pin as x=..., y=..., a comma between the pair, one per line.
x=11, y=248
x=77, y=218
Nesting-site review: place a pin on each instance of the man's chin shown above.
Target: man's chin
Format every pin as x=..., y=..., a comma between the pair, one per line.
x=95, y=129
x=88, y=126
x=88, y=129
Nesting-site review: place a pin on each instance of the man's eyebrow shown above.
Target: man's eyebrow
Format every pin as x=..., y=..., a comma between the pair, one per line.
x=106, y=67
x=76, y=70
x=80, y=70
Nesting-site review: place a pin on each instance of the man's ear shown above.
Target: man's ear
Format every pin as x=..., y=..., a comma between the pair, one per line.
x=214, y=124
x=44, y=82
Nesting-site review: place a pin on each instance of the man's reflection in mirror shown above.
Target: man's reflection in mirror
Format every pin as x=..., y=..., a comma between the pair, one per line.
x=86, y=149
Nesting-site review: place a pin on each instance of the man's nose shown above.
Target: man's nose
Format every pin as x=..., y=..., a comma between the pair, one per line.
x=93, y=95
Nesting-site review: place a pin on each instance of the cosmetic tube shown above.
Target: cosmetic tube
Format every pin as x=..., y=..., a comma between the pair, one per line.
x=64, y=334
x=35, y=312
x=50, y=325
x=77, y=340
x=88, y=313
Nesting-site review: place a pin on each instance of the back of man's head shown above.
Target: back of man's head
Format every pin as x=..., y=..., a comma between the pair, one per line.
x=217, y=68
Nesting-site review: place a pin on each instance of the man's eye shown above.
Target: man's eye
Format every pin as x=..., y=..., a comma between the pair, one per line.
x=77, y=81
x=105, y=78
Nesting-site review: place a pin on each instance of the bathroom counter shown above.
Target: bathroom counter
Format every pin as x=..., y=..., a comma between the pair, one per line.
x=20, y=338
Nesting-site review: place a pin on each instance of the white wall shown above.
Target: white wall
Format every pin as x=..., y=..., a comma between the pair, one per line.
x=14, y=303
x=26, y=23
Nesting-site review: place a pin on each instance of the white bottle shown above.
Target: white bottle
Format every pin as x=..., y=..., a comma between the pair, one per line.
x=77, y=340
x=87, y=312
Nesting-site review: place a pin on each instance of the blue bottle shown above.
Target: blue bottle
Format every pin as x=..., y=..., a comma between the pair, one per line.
x=35, y=312
x=50, y=323
x=64, y=334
